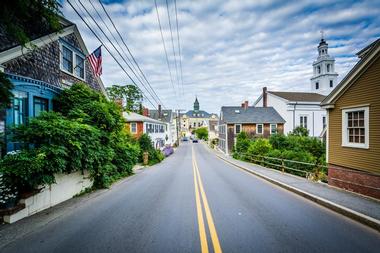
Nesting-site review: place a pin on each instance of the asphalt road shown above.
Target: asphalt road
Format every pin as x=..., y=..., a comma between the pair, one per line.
x=195, y=202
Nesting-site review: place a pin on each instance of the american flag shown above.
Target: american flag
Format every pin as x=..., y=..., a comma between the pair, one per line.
x=95, y=60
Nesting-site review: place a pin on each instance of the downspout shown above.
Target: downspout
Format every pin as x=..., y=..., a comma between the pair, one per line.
x=294, y=115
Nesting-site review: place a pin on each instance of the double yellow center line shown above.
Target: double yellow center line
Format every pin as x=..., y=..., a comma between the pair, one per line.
x=201, y=195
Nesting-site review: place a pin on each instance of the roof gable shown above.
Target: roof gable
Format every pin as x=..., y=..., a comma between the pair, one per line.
x=368, y=55
x=299, y=96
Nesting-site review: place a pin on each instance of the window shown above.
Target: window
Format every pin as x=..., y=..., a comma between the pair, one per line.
x=259, y=128
x=67, y=59
x=199, y=124
x=355, y=127
x=79, y=68
x=328, y=67
x=19, y=108
x=72, y=61
x=303, y=121
x=273, y=128
x=134, y=128
x=319, y=69
x=317, y=85
x=237, y=128
x=195, y=124
x=331, y=83
x=324, y=121
x=40, y=105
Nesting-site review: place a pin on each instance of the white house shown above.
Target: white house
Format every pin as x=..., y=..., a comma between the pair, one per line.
x=170, y=118
x=303, y=108
x=139, y=124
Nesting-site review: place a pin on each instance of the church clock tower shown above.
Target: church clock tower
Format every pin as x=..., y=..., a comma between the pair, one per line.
x=324, y=77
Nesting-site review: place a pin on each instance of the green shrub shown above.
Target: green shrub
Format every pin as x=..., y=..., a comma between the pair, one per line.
x=300, y=131
x=88, y=133
x=260, y=146
x=278, y=141
x=154, y=156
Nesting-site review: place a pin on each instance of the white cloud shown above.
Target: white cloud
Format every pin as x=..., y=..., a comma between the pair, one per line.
x=231, y=49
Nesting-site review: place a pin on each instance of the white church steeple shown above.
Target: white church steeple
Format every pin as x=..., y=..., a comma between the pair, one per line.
x=324, y=77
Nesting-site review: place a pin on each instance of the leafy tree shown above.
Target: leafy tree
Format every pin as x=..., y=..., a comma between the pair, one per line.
x=300, y=131
x=154, y=155
x=202, y=133
x=22, y=20
x=130, y=95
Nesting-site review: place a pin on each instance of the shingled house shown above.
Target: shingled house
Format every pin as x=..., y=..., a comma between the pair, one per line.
x=56, y=61
x=256, y=121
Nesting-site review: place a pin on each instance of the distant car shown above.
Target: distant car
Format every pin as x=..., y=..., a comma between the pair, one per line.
x=185, y=139
x=195, y=140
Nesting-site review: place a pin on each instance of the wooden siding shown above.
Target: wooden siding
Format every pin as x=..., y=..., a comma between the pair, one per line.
x=250, y=129
x=365, y=90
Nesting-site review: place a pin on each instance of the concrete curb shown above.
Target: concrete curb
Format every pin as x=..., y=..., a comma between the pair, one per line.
x=362, y=218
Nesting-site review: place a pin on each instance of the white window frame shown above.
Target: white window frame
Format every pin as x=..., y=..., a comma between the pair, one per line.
x=235, y=128
x=307, y=119
x=61, y=45
x=135, y=124
x=270, y=126
x=345, y=142
x=257, y=128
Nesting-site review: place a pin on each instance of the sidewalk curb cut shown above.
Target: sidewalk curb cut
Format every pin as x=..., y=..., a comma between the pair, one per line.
x=362, y=218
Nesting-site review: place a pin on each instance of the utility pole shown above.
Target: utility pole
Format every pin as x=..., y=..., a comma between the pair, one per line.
x=178, y=124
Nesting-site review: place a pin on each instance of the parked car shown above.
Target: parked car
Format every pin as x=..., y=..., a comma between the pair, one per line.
x=168, y=150
x=195, y=140
x=185, y=139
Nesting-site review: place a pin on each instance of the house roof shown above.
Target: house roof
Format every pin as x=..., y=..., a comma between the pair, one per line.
x=166, y=115
x=368, y=55
x=237, y=114
x=135, y=117
x=195, y=113
x=299, y=96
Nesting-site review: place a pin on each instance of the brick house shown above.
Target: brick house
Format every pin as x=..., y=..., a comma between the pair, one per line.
x=256, y=121
x=353, y=126
x=57, y=60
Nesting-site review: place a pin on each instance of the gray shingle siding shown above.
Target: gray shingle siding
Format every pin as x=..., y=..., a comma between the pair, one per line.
x=257, y=115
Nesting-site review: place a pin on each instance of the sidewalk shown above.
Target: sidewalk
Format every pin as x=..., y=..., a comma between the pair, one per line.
x=355, y=206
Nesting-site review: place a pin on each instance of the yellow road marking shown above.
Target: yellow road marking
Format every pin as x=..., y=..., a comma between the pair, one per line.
x=210, y=220
x=201, y=225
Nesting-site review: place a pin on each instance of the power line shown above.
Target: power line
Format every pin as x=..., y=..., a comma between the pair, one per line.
x=130, y=53
x=179, y=45
x=89, y=14
x=166, y=52
x=171, y=35
x=109, y=51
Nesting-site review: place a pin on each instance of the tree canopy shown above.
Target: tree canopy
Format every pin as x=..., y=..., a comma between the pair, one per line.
x=129, y=94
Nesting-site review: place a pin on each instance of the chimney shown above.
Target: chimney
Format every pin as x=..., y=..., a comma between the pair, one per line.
x=145, y=112
x=159, y=112
x=265, y=97
x=245, y=104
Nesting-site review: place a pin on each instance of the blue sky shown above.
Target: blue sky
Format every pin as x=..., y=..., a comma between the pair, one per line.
x=231, y=49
